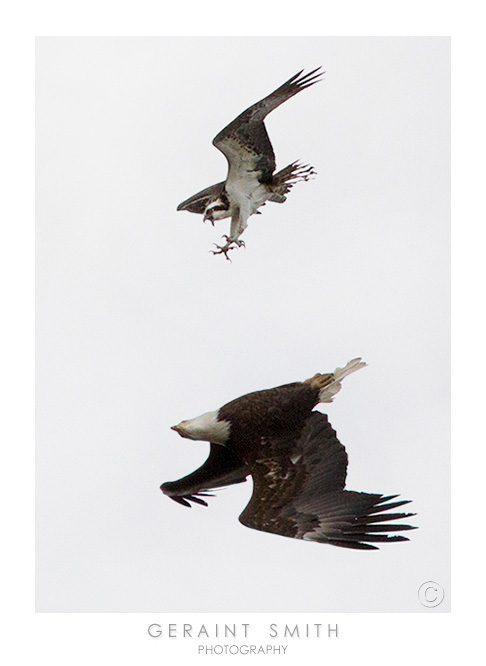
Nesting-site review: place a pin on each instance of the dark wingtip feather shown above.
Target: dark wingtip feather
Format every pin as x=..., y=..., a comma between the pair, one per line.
x=181, y=500
x=299, y=81
x=381, y=506
x=356, y=545
x=311, y=77
x=316, y=70
x=383, y=517
x=294, y=77
x=385, y=498
x=380, y=528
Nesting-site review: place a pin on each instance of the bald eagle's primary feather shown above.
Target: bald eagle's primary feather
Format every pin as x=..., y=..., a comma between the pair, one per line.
x=251, y=180
x=297, y=464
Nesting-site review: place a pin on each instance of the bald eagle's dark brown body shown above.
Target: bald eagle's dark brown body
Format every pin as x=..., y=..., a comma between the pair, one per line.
x=268, y=413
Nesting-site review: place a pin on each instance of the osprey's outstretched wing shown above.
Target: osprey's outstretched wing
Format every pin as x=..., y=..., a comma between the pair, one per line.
x=299, y=492
x=198, y=202
x=222, y=468
x=245, y=143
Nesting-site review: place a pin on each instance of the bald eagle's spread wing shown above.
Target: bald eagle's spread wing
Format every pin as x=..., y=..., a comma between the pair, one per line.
x=222, y=468
x=198, y=202
x=245, y=143
x=299, y=492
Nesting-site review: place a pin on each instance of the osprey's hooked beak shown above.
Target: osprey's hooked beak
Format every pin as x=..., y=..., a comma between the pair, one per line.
x=209, y=216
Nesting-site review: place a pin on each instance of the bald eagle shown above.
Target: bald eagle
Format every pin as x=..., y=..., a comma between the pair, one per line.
x=251, y=164
x=297, y=464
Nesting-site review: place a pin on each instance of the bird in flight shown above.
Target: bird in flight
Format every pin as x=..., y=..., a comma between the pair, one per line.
x=297, y=464
x=251, y=180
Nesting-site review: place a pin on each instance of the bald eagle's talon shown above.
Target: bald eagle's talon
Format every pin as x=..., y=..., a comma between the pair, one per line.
x=197, y=500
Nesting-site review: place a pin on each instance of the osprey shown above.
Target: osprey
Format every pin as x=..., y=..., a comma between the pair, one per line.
x=251, y=164
x=297, y=464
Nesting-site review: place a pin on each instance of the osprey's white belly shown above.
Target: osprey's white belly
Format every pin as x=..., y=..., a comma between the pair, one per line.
x=258, y=198
x=247, y=194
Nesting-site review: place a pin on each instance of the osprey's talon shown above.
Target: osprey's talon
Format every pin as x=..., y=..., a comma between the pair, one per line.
x=223, y=250
x=236, y=241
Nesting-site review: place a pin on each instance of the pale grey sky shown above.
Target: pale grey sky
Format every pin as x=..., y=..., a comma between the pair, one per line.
x=139, y=326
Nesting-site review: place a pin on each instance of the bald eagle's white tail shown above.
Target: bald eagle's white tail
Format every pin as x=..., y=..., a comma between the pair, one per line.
x=327, y=393
x=329, y=385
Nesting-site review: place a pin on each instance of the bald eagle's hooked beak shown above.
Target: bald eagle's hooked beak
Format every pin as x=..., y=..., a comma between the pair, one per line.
x=180, y=430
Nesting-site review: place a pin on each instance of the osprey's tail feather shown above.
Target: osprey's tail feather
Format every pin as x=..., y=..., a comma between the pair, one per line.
x=329, y=385
x=284, y=180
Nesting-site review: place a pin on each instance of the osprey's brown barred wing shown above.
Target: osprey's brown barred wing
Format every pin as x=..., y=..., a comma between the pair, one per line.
x=247, y=136
x=299, y=492
x=199, y=202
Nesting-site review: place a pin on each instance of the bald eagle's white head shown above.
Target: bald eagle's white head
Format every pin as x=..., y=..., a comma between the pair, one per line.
x=206, y=427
